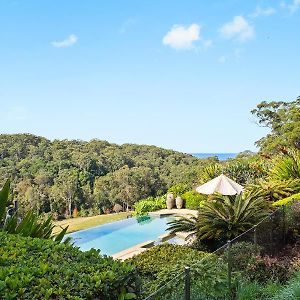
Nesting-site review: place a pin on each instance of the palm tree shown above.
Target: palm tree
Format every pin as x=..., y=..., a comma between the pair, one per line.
x=223, y=217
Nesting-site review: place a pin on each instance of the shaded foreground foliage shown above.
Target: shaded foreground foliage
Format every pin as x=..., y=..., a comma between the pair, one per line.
x=30, y=225
x=33, y=268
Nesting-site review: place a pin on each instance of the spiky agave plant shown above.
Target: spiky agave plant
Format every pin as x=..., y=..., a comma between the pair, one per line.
x=286, y=167
x=223, y=217
x=210, y=172
x=186, y=224
x=31, y=225
x=274, y=190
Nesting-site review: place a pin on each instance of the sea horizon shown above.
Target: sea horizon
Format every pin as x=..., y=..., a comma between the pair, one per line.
x=220, y=156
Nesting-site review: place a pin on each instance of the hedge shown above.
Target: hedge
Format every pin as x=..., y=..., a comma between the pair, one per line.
x=161, y=263
x=32, y=268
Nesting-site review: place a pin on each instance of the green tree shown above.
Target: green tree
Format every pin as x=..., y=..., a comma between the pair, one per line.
x=65, y=187
x=283, y=120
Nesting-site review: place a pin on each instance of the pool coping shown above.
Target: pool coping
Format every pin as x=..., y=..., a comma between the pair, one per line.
x=139, y=248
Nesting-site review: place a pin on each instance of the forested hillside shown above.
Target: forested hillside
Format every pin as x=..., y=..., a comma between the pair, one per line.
x=60, y=175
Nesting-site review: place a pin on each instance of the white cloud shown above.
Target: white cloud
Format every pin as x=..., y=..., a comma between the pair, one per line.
x=222, y=59
x=238, y=29
x=182, y=37
x=263, y=12
x=68, y=42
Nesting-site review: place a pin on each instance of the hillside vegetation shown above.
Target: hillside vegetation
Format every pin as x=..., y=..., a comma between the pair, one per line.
x=57, y=176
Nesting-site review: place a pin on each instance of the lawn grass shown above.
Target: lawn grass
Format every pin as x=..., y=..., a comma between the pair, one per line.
x=79, y=223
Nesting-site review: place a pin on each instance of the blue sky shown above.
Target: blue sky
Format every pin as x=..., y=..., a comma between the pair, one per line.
x=177, y=74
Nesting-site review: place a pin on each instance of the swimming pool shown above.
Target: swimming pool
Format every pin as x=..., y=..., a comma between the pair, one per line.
x=114, y=237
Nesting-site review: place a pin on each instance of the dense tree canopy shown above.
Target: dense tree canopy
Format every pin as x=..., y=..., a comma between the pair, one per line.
x=283, y=119
x=59, y=175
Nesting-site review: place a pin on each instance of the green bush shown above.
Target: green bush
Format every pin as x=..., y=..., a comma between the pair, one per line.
x=33, y=268
x=290, y=291
x=28, y=225
x=242, y=255
x=254, y=290
x=265, y=268
x=179, y=189
x=160, y=264
x=150, y=204
x=193, y=199
x=247, y=260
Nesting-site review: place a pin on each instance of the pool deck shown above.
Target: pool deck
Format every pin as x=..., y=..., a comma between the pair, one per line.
x=137, y=249
x=174, y=211
x=132, y=251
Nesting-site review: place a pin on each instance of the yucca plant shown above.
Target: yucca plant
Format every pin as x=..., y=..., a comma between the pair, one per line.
x=229, y=216
x=286, y=167
x=187, y=224
x=210, y=172
x=274, y=190
x=223, y=217
x=31, y=225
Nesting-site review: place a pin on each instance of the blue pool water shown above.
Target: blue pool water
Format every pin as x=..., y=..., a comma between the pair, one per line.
x=117, y=236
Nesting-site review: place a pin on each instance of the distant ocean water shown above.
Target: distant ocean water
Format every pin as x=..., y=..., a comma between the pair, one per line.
x=221, y=156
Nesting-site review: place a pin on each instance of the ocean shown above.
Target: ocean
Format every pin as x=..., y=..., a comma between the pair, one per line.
x=221, y=156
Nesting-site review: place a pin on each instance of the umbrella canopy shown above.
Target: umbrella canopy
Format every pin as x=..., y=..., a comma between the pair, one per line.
x=222, y=185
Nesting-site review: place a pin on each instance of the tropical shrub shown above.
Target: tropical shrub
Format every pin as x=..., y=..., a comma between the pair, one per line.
x=149, y=204
x=160, y=264
x=287, y=200
x=41, y=269
x=244, y=171
x=265, y=268
x=290, y=291
x=210, y=172
x=248, y=290
x=274, y=190
x=242, y=254
x=193, y=199
x=286, y=166
x=29, y=225
x=223, y=217
x=179, y=189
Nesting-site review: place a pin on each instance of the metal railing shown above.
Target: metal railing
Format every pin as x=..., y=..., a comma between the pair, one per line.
x=268, y=237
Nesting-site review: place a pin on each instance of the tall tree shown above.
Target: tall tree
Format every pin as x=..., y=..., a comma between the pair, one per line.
x=283, y=119
x=65, y=187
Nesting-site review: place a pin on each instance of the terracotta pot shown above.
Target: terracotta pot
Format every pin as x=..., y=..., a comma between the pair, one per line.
x=179, y=202
x=170, y=201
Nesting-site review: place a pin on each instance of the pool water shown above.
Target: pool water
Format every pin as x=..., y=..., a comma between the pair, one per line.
x=114, y=237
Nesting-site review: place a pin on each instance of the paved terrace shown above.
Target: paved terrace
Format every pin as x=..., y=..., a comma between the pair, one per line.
x=174, y=211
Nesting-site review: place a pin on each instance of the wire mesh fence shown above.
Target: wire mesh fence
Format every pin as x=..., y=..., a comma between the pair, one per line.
x=216, y=276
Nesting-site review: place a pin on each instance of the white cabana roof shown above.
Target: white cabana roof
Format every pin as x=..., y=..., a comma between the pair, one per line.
x=222, y=185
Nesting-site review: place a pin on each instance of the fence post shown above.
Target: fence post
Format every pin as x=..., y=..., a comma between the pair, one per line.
x=255, y=238
x=229, y=262
x=284, y=225
x=187, y=284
